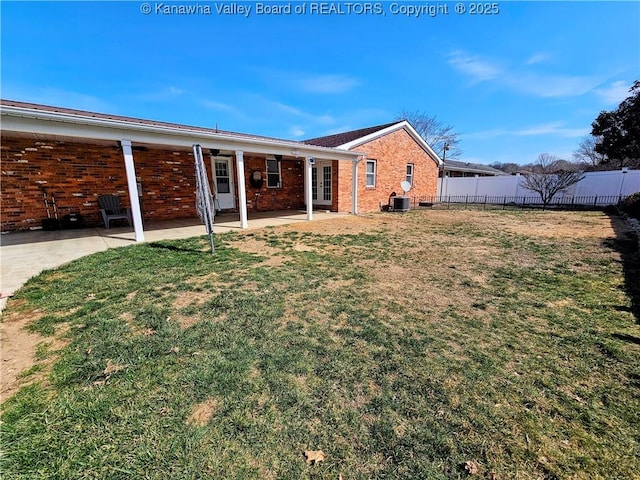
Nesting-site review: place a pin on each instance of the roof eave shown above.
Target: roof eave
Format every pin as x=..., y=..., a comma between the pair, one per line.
x=27, y=120
x=392, y=128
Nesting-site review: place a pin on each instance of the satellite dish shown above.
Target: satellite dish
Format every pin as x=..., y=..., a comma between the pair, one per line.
x=406, y=186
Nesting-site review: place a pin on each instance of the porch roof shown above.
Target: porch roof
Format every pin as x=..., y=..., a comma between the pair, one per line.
x=30, y=118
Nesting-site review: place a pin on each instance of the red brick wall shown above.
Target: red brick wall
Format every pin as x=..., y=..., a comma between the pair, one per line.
x=289, y=196
x=392, y=152
x=77, y=173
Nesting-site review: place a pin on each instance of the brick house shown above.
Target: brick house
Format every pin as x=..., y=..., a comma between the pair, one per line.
x=392, y=153
x=75, y=156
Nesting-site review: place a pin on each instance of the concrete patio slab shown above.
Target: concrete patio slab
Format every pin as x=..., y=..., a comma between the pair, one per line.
x=26, y=254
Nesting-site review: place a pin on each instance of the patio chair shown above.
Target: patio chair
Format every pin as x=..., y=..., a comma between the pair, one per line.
x=112, y=209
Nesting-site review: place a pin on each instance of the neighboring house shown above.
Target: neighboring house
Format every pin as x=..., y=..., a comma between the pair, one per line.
x=78, y=155
x=454, y=168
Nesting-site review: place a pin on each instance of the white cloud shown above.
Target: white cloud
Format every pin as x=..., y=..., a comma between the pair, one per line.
x=544, y=85
x=538, y=58
x=213, y=105
x=486, y=134
x=329, y=83
x=548, y=85
x=318, y=83
x=480, y=70
x=552, y=128
x=325, y=119
x=161, y=95
x=614, y=93
x=288, y=109
x=296, y=132
x=558, y=129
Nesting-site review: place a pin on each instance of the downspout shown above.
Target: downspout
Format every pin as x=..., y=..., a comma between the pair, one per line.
x=354, y=185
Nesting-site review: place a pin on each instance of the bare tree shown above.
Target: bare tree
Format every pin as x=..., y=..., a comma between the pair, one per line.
x=551, y=175
x=508, y=167
x=434, y=132
x=586, y=151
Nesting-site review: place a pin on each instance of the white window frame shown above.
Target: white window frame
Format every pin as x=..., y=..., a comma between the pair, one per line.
x=371, y=175
x=409, y=177
x=272, y=174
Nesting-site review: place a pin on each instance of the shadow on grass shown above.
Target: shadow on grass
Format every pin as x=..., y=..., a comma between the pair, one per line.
x=174, y=248
x=626, y=243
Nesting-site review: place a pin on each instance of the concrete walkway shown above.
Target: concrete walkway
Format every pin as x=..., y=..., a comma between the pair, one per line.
x=25, y=254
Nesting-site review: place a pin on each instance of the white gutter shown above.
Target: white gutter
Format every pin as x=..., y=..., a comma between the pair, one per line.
x=27, y=120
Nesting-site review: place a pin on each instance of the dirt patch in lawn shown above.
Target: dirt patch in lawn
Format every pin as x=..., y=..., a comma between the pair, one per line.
x=249, y=244
x=18, y=349
x=337, y=226
x=203, y=411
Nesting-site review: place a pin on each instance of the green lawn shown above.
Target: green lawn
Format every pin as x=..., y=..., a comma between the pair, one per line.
x=403, y=346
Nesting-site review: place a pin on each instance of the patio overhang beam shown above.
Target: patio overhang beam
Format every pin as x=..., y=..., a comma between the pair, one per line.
x=16, y=119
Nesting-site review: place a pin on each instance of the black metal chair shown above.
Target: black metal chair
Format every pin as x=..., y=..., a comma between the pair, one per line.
x=112, y=209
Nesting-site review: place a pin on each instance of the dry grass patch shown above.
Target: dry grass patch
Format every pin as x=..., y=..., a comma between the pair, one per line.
x=202, y=413
x=258, y=246
x=336, y=226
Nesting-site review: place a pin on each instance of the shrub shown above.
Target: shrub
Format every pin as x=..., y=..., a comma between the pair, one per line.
x=631, y=205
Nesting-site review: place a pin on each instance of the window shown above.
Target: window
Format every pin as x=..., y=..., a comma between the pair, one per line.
x=273, y=173
x=371, y=173
x=223, y=185
x=410, y=173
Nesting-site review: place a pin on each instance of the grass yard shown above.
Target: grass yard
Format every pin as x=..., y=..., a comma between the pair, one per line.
x=426, y=345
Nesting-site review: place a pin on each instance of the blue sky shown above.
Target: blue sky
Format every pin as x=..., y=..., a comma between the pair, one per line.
x=526, y=80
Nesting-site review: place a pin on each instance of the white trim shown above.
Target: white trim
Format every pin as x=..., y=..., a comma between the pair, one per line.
x=354, y=188
x=413, y=170
x=231, y=195
x=308, y=187
x=385, y=131
x=242, y=189
x=375, y=173
x=41, y=122
x=266, y=166
x=320, y=166
x=132, y=185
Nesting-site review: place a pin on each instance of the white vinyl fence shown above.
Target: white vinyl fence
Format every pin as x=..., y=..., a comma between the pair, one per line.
x=595, y=189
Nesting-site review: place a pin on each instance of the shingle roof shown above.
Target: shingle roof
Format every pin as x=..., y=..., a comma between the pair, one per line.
x=458, y=166
x=338, y=139
x=132, y=120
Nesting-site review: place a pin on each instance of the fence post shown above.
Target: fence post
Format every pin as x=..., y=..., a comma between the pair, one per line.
x=595, y=202
x=466, y=201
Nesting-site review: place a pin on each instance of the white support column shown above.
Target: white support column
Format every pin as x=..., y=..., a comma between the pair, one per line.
x=354, y=188
x=308, y=183
x=242, y=189
x=133, y=189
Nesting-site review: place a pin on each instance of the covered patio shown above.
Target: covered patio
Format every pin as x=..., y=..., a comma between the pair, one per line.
x=80, y=155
